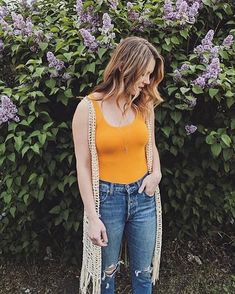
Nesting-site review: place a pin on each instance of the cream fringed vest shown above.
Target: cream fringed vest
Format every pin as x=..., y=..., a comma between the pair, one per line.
x=91, y=262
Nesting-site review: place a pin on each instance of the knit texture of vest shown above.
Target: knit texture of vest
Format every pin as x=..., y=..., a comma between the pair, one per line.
x=91, y=261
x=121, y=150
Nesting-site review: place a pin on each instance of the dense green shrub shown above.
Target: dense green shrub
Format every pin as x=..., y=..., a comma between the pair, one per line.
x=45, y=63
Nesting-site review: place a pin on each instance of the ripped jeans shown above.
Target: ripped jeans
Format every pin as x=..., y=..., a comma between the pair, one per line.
x=125, y=211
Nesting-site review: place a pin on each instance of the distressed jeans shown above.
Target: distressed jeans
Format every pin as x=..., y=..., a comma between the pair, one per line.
x=125, y=212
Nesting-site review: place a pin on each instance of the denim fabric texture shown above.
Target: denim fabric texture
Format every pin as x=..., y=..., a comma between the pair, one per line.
x=125, y=212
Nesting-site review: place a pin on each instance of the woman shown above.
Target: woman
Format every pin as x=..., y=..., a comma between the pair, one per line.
x=121, y=203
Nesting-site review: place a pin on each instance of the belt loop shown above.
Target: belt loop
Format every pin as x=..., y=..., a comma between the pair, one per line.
x=111, y=188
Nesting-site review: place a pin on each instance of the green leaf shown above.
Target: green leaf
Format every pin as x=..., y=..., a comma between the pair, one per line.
x=176, y=116
x=68, y=55
x=216, y=149
x=184, y=90
x=55, y=210
x=68, y=93
x=7, y=198
x=230, y=101
x=170, y=90
x=35, y=148
x=197, y=89
x=166, y=131
x=43, y=46
x=226, y=139
x=12, y=157
x=213, y=92
x=25, y=198
x=50, y=83
x=101, y=52
x=12, y=211
x=184, y=34
x=210, y=139
x=227, y=154
x=175, y=40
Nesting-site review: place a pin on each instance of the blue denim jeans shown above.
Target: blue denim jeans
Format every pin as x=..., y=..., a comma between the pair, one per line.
x=125, y=212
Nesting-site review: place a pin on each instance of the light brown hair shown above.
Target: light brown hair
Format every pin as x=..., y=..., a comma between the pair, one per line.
x=127, y=63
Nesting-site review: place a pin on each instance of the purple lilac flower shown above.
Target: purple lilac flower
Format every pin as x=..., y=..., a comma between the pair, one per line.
x=5, y=26
x=228, y=41
x=206, y=44
x=3, y=11
x=54, y=62
x=7, y=110
x=190, y=129
x=132, y=14
x=182, y=12
x=200, y=81
x=113, y=4
x=87, y=16
x=178, y=73
x=107, y=24
x=213, y=69
x=89, y=40
x=212, y=72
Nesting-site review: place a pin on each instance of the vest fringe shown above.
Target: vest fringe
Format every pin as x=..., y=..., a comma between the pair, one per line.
x=91, y=262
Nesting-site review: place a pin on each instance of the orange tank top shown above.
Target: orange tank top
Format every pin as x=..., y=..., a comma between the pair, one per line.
x=120, y=150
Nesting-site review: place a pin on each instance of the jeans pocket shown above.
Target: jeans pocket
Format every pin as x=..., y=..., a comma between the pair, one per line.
x=103, y=195
x=147, y=195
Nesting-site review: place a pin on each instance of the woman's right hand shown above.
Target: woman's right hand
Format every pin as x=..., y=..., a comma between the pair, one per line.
x=97, y=232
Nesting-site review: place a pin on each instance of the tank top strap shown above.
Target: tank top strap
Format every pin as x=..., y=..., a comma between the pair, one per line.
x=96, y=106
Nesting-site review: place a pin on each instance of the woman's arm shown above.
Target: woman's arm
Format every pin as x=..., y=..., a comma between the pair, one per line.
x=96, y=229
x=83, y=158
x=156, y=159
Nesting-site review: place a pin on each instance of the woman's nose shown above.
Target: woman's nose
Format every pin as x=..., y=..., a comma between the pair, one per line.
x=147, y=81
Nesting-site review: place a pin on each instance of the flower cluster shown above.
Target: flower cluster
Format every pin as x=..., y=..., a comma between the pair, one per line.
x=21, y=27
x=178, y=73
x=7, y=110
x=142, y=19
x=190, y=129
x=89, y=40
x=113, y=4
x=212, y=71
x=209, y=55
x=184, y=11
x=87, y=16
x=106, y=31
x=3, y=11
x=227, y=42
x=54, y=63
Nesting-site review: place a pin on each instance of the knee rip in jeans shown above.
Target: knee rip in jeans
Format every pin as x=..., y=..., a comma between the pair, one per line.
x=147, y=271
x=110, y=271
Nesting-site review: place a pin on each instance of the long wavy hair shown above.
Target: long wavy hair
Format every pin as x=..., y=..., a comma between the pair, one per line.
x=128, y=62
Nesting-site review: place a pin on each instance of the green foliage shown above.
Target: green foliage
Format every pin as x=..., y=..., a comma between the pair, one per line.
x=39, y=197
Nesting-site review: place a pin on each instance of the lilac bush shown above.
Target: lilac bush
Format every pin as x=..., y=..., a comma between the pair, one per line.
x=7, y=110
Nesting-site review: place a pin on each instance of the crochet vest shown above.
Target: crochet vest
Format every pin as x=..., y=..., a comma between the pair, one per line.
x=91, y=260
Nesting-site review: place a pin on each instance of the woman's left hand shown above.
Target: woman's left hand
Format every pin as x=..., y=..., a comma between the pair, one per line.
x=150, y=183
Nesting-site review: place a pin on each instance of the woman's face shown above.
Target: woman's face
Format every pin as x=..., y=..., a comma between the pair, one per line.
x=145, y=77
